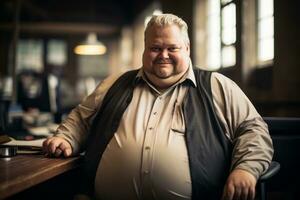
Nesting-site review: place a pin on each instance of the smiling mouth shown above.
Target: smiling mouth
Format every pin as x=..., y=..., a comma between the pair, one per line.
x=163, y=63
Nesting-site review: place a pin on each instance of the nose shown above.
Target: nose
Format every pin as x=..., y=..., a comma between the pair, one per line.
x=164, y=53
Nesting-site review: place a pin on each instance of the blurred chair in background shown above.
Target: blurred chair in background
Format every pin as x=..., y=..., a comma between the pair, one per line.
x=285, y=133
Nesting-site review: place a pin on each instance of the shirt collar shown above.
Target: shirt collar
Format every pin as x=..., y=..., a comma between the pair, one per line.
x=190, y=75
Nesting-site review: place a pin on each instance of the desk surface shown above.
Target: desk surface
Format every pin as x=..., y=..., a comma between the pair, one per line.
x=24, y=171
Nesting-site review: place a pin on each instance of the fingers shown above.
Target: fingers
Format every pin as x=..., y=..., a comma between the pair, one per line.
x=240, y=185
x=66, y=149
x=56, y=146
x=251, y=194
x=57, y=152
x=228, y=192
x=240, y=193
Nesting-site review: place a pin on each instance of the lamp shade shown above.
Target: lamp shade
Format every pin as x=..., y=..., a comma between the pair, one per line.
x=91, y=46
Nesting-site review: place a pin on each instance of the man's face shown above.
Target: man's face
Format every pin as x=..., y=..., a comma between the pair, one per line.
x=166, y=55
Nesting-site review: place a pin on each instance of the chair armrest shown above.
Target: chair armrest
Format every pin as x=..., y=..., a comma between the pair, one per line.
x=273, y=169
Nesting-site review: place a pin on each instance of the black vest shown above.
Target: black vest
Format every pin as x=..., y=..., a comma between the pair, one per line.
x=209, y=150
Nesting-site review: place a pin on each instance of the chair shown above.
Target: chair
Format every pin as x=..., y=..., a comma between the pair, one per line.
x=273, y=170
x=285, y=133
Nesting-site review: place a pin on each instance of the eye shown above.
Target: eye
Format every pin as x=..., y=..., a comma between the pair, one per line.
x=155, y=49
x=173, y=49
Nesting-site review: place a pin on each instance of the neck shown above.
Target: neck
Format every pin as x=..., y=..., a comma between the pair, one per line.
x=163, y=84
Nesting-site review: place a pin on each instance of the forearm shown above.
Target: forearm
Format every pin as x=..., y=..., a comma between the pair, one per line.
x=75, y=129
x=244, y=127
x=76, y=126
x=253, y=148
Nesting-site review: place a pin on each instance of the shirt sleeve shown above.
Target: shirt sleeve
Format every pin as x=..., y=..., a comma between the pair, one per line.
x=244, y=127
x=76, y=126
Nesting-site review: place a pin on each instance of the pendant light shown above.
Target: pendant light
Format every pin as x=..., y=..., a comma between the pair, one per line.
x=91, y=46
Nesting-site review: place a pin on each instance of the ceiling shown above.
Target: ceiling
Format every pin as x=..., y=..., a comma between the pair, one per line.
x=105, y=16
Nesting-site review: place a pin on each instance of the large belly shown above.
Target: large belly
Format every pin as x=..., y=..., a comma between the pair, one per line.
x=133, y=171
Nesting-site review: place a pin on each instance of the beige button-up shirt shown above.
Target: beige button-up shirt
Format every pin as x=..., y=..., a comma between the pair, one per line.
x=147, y=157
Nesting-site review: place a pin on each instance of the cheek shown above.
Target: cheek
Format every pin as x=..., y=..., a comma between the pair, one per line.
x=151, y=56
x=176, y=58
x=148, y=58
x=181, y=60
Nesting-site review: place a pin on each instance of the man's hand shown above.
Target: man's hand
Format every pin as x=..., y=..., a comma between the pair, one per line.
x=56, y=146
x=240, y=185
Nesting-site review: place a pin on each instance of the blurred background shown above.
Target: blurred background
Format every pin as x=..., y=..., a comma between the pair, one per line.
x=254, y=42
x=53, y=53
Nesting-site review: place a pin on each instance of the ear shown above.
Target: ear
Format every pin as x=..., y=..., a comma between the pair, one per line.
x=187, y=47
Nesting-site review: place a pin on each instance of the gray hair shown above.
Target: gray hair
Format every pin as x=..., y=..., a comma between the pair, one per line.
x=168, y=20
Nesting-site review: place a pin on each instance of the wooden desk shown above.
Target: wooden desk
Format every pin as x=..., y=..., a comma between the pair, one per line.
x=25, y=171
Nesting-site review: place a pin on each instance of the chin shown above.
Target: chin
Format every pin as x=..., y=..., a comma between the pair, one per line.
x=164, y=74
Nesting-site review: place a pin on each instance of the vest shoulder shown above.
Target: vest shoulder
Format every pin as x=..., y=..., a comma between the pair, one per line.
x=130, y=73
x=197, y=68
x=202, y=76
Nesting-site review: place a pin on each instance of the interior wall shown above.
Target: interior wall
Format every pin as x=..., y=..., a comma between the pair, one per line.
x=284, y=75
x=4, y=46
x=287, y=51
x=200, y=34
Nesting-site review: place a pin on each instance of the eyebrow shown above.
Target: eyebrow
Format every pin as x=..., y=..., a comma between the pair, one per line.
x=165, y=45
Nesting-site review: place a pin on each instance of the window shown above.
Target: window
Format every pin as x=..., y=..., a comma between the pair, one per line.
x=221, y=34
x=93, y=66
x=56, y=52
x=265, y=31
x=257, y=39
x=228, y=31
x=213, y=35
x=30, y=55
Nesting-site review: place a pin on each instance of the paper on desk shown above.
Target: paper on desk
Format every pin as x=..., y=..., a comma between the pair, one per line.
x=43, y=130
x=25, y=143
x=39, y=131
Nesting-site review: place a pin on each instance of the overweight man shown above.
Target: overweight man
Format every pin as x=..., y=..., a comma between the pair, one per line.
x=168, y=130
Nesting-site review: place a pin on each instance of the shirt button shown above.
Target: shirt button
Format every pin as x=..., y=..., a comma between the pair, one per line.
x=150, y=128
x=146, y=172
x=147, y=147
x=154, y=113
